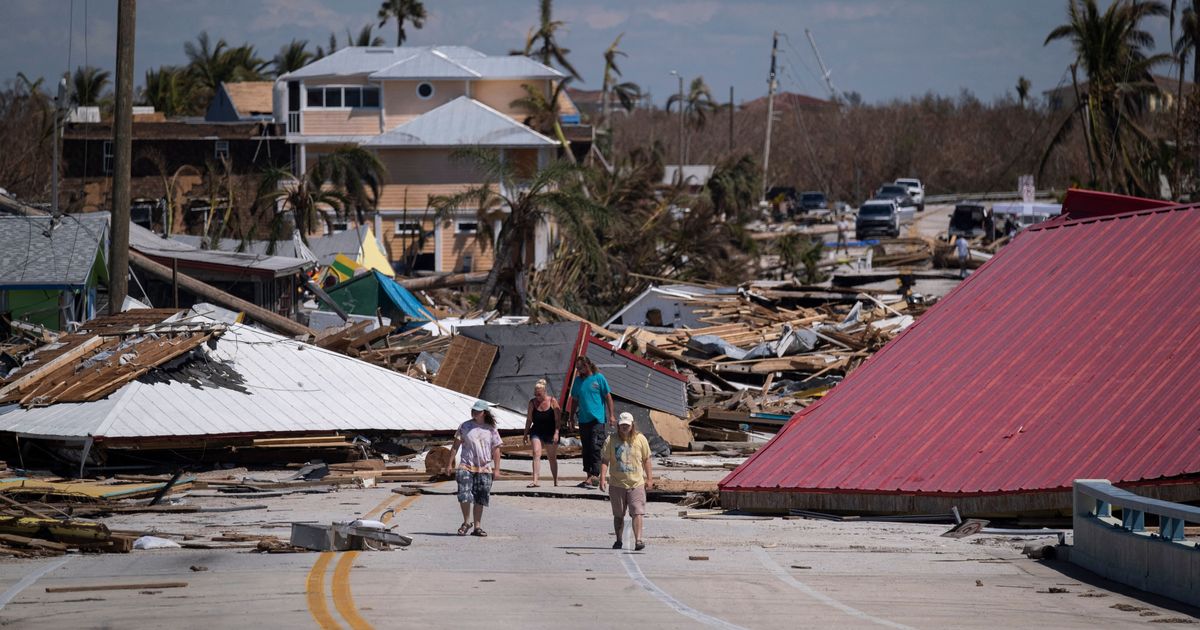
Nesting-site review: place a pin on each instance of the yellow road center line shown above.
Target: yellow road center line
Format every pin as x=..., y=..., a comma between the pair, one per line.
x=343, y=598
x=315, y=593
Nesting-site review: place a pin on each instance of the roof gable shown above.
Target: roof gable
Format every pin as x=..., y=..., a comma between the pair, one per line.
x=250, y=98
x=425, y=64
x=462, y=122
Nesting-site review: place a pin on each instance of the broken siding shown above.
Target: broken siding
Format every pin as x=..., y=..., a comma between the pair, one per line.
x=639, y=383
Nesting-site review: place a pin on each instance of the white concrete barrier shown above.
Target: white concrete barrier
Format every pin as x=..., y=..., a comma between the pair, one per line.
x=1165, y=563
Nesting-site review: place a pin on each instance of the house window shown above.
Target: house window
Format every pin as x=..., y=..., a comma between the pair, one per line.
x=370, y=97
x=316, y=97
x=407, y=228
x=466, y=227
x=222, y=150
x=343, y=97
x=425, y=90
x=108, y=157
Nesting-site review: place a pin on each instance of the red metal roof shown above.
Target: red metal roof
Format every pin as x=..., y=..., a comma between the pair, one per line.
x=1093, y=204
x=1073, y=353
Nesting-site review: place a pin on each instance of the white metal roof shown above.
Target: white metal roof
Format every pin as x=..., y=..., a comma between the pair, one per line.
x=426, y=64
x=461, y=122
x=258, y=382
x=471, y=63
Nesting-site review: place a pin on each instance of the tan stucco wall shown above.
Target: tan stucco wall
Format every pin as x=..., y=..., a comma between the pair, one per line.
x=401, y=103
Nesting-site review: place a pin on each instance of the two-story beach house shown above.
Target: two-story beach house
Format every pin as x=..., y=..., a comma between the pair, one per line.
x=416, y=106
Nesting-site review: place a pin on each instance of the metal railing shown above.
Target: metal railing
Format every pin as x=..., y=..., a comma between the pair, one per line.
x=1122, y=549
x=988, y=196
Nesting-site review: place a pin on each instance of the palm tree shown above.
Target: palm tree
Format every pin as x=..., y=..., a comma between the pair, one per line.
x=88, y=84
x=549, y=194
x=291, y=57
x=1111, y=48
x=542, y=112
x=366, y=37
x=542, y=44
x=412, y=11
x=173, y=188
x=1187, y=43
x=166, y=90
x=325, y=52
x=1023, y=86
x=697, y=105
x=345, y=180
x=210, y=65
x=626, y=92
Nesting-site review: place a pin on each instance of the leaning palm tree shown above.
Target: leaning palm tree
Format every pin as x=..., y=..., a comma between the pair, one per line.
x=411, y=11
x=1111, y=47
x=343, y=181
x=549, y=194
x=291, y=57
x=542, y=111
x=88, y=84
x=541, y=42
x=626, y=93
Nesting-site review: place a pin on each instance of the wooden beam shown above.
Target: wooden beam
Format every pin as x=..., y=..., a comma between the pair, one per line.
x=65, y=358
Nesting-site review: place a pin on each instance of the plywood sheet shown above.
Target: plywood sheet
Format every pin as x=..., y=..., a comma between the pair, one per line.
x=466, y=367
x=673, y=429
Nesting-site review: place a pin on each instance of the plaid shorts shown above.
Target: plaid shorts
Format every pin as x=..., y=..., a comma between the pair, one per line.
x=473, y=487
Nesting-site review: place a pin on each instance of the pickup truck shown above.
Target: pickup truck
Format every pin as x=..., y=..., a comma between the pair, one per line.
x=877, y=217
x=916, y=190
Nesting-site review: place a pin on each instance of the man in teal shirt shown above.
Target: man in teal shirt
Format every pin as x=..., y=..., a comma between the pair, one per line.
x=592, y=404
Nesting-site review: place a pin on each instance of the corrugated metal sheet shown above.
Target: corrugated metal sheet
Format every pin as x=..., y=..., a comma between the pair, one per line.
x=646, y=385
x=258, y=382
x=151, y=244
x=461, y=122
x=33, y=254
x=1072, y=354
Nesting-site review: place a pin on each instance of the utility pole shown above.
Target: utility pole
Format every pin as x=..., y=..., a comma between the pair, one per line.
x=680, y=171
x=118, y=249
x=60, y=106
x=731, y=119
x=820, y=62
x=771, y=84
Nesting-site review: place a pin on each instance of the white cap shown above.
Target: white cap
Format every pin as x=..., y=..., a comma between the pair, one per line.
x=625, y=418
x=481, y=405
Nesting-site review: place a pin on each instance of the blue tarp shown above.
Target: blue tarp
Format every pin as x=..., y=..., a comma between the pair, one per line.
x=402, y=299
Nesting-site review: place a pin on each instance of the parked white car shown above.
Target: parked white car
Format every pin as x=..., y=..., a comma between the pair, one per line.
x=916, y=190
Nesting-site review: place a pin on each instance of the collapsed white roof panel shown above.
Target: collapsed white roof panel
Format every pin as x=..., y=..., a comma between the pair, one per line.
x=256, y=382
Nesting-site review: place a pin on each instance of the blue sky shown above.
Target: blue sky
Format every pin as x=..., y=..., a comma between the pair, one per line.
x=882, y=49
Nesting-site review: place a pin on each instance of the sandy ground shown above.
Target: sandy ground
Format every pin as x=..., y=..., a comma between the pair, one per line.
x=548, y=563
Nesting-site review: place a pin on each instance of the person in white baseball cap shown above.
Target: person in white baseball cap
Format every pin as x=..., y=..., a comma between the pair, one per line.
x=478, y=467
x=625, y=461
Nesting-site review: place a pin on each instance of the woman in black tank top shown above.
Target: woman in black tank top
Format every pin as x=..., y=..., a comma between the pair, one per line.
x=542, y=422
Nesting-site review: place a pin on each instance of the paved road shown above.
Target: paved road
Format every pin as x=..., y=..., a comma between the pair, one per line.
x=548, y=564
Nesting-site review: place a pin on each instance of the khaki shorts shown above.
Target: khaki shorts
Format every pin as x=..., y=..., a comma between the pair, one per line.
x=632, y=500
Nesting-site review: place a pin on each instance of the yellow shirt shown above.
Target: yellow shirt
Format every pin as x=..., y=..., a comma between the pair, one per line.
x=625, y=459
